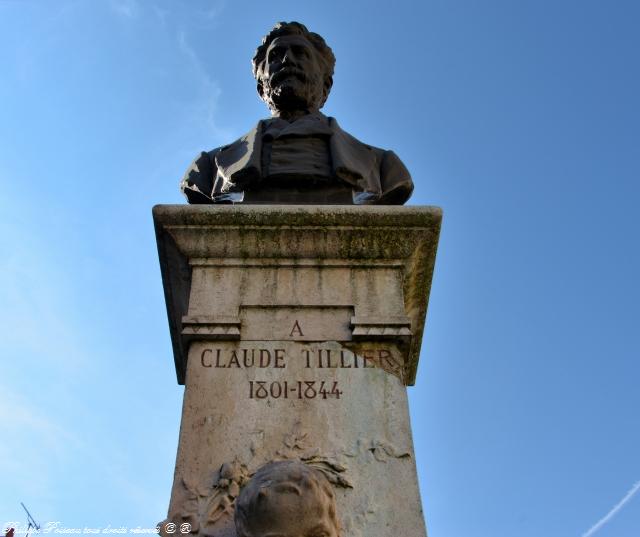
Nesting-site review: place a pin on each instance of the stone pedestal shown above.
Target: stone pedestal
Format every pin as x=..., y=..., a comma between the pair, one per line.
x=296, y=330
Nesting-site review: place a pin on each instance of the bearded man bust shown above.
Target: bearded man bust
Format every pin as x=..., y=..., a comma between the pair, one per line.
x=298, y=155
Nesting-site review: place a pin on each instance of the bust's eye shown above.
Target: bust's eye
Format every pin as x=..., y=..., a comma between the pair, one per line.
x=275, y=53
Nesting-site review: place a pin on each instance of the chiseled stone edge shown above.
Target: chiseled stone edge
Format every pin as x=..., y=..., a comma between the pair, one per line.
x=259, y=231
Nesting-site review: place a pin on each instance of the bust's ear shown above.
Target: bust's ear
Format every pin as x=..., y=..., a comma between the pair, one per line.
x=326, y=89
x=328, y=84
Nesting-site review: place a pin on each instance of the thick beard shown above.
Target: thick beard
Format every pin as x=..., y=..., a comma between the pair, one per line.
x=297, y=97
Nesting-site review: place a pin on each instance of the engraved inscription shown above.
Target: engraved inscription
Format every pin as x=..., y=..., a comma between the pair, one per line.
x=301, y=389
x=310, y=358
x=296, y=330
x=243, y=358
x=346, y=359
x=297, y=323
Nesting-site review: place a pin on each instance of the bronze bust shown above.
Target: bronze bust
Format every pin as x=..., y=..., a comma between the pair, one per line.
x=298, y=155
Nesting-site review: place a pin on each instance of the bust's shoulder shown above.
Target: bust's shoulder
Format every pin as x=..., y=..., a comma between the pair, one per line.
x=197, y=183
x=211, y=154
x=351, y=139
x=239, y=145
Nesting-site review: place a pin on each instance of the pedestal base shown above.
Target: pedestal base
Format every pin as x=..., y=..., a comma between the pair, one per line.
x=296, y=330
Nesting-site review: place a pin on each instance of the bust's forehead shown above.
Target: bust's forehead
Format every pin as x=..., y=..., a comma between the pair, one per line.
x=288, y=40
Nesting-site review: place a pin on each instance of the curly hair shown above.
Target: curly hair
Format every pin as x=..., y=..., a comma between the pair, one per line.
x=325, y=54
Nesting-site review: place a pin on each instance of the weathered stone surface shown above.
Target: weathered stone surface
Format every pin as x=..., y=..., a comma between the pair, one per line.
x=375, y=262
x=287, y=498
x=296, y=330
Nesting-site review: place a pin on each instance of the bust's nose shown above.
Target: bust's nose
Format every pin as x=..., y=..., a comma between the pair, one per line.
x=288, y=57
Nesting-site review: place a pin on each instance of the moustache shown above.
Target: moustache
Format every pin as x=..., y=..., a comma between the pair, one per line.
x=280, y=75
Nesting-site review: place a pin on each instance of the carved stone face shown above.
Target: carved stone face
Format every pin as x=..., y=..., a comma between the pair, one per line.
x=287, y=514
x=287, y=499
x=292, y=77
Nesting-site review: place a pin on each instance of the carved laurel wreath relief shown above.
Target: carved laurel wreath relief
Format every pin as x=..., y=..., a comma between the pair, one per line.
x=210, y=503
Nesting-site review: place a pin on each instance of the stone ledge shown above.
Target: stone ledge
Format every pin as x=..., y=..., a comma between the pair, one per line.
x=298, y=236
x=210, y=328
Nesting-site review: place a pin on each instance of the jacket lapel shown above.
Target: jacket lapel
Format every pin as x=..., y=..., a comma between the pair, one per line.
x=353, y=162
x=240, y=162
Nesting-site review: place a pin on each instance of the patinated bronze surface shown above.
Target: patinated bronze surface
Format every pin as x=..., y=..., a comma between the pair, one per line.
x=299, y=155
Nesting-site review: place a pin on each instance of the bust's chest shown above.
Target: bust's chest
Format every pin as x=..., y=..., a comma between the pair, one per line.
x=296, y=158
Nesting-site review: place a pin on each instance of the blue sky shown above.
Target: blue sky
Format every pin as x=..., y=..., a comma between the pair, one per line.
x=520, y=119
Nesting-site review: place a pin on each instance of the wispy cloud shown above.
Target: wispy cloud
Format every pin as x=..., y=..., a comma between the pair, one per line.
x=48, y=25
x=18, y=413
x=48, y=443
x=34, y=445
x=38, y=301
x=125, y=8
x=214, y=9
x=203, y=108
x=209, y=88
x=613, y=512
